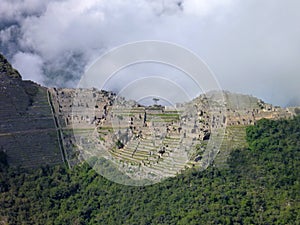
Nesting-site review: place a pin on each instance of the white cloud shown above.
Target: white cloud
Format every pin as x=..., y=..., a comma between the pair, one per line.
x=204, y=7
x=75, y=25
x=252, y=46
x=29, y=65
x=16, y=9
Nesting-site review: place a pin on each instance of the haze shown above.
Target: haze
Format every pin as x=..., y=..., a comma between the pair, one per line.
x=251, y=46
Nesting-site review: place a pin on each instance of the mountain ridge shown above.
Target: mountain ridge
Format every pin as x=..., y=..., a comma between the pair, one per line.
x=59, y=116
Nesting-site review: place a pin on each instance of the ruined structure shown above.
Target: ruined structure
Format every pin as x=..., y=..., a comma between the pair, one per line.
x=156, y=140
x=42, y=126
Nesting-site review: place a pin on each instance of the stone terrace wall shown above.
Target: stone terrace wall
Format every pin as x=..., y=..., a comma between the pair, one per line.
x=82, y=111
x=39, y=126
x=27, y=130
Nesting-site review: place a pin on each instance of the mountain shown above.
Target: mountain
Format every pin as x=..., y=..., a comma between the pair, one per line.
x=41, y=126
x=253, y=177
x=260, y=186
x=28, y=135
x=7, y=70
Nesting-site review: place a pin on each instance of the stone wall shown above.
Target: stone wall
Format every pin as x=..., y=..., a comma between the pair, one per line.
x=27, y=130
x=147, y=136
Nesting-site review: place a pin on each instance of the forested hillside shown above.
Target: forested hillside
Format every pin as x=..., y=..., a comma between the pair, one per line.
x=260, y=186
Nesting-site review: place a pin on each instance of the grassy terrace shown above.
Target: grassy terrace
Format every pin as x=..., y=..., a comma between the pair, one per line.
x=164, y=115
x=235, y=137
x=77, y=130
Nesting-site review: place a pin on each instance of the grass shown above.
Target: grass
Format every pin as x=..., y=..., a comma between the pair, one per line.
x=235, y=138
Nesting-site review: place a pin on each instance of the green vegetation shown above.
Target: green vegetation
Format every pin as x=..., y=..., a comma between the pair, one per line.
x=200, y=148
x=3, y=160
x=260, y=186
x=235, y=138
x=101, y=138
x=119, y=144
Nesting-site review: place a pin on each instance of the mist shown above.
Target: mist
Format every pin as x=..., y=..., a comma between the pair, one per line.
x=251, y=46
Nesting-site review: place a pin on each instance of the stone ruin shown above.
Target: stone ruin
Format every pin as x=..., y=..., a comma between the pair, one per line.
x=41, y=126
x=156, y=140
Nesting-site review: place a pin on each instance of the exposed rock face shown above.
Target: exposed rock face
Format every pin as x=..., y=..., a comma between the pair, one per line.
x=27, y=131
x=7, y=70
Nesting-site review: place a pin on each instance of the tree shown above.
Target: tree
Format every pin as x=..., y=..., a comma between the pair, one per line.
x=155, y=100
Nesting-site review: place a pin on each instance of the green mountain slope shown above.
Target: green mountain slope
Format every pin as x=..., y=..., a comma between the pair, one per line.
x=260, y=186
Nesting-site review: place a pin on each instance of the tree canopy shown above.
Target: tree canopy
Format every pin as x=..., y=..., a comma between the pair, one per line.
x=260, y=186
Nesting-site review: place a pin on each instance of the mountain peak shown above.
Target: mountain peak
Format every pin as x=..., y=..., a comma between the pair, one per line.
x=7, y=70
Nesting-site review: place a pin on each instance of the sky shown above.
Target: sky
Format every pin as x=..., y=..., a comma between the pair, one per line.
x=251, y=46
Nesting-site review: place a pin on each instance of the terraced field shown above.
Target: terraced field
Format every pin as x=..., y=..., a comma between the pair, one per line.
x=27, y=133
x=42, y=126
x=148, y=147
x=235, y=137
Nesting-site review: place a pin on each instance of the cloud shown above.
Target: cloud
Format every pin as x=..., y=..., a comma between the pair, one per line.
x=204, y=7
x=33, y=72
x=17, y=9
x=251, y=46
x=72, y=30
